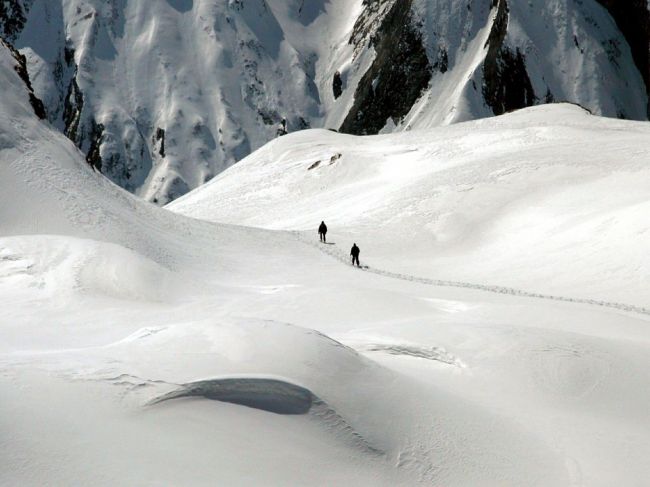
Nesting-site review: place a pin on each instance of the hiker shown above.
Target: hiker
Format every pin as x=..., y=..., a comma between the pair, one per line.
x=354, y=252
x=322, y=231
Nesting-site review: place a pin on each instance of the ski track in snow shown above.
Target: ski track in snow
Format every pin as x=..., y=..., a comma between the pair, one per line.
x=341, y=257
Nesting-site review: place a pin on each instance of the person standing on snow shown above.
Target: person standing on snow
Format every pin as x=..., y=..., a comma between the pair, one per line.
x=354, y=252
x=322, y=231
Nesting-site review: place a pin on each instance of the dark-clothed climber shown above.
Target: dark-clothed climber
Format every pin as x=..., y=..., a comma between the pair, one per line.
x=322, y=231
x=354, y=252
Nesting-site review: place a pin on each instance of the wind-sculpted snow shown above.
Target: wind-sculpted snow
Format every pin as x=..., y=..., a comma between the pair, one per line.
x=274, y=396
x=270, y=395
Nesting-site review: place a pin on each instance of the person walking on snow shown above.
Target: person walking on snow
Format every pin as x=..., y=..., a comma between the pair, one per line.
x=322, y=231
x=354, y=252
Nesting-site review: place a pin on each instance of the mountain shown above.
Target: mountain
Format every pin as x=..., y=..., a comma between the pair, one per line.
x=161, y=96
x=142, y=345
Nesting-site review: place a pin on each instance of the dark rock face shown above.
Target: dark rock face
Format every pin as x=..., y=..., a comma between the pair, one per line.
x=12, y=19
x=401, y=66
x=337, y=85
x=160, y=139
x=507, y=85
x=442, y=61
x=73, y=107
x=74, y=130
x=633, y=19
x=21, y=69
x=94, y=157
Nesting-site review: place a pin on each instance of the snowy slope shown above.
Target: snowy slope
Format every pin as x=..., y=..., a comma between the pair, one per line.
x=163, y=95
x=508, y=201
x=143, y=347
x=82, y=304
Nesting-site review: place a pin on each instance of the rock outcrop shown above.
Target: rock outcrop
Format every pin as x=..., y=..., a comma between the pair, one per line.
x=507, y=85
x=401, y=66
x=633, y=18
x=21, y=69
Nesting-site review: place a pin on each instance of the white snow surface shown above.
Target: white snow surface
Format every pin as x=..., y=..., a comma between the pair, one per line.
x=548, y=200
x=111, y=303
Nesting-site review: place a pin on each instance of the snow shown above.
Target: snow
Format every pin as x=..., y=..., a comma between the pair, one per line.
x=506, y=201
x=124, y=323
x=218, y=77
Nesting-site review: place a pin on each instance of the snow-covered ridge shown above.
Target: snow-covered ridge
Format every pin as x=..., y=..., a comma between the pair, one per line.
x=499, y=201
x=163, y=95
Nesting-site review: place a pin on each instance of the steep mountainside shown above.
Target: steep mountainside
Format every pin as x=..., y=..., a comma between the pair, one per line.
x=163, y=95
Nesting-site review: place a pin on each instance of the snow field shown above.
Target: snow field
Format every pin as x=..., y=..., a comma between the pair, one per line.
x=503, y=202
x=111, y=304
